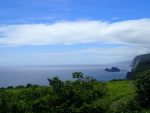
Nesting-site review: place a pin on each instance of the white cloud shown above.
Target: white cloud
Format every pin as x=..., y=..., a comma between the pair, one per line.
x=133, y=34
x=71, y=32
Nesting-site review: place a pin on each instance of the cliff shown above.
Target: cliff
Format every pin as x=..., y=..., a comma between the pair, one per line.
x=139, y=64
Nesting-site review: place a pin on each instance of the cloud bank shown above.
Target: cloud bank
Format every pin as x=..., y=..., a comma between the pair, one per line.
x=73, y=32
x=132, y=35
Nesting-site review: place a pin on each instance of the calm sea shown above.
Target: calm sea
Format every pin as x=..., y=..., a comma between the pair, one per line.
x=39, y=74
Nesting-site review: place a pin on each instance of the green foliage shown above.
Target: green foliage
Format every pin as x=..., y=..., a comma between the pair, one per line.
x=128, y=106
x=89, y=108
x=20, y=86
x=9, y=87
x=143, y=66
x=84, y=95
x=59, y=97
x=77, y=75
x=5, y=99
x=142, y=84
x=71, y=95
x=118, y=91
x=56, y=84
x=119, y=94
x=29, y=85
x=19, y=107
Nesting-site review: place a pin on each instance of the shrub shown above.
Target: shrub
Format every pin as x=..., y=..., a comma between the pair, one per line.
x=89, y=108
x=10, y=87
x=19, y=107
x=142, y=84
x=20, y=86
x=130, y=106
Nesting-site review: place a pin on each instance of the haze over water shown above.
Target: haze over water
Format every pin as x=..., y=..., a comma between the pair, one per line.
x=39, y=74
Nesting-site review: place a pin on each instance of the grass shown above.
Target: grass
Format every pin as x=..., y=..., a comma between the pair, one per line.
x=118, y=91
x=17, y=90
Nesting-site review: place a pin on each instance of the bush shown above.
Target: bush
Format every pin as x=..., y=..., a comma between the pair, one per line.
x=6, y=100
x=19, y=107
x=130, y=106
x=20, y=86
x=60, y=97
x=142, y=84
x=89, y=108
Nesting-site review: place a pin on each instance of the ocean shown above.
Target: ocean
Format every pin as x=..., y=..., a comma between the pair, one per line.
x=21, y=75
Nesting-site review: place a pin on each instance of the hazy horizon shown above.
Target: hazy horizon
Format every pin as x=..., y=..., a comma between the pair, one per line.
x=13, y=76
x=123, y=63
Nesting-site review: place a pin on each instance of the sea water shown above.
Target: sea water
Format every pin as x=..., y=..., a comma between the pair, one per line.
x=21, y=75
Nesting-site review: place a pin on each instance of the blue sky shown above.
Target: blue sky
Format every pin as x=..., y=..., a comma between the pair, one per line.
x=53, y=32
x=46, y=11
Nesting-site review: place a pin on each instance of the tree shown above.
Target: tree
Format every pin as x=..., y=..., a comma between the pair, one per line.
x=20, y=86
x=19, y=107
x=56, y=84
x=29, y=85
x=50, y=81
x=77, y=75
x=89, y=108
x=9, y=87
x=128, y=106
x=142, y=84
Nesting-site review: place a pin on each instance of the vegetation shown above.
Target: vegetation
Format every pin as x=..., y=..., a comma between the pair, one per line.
x=142, y=84
x=83, y=95
x=140, y=64
x=59, y=97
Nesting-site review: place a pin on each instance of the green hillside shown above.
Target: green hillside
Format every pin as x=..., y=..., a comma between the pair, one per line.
x=118, y=90
x=73, y=96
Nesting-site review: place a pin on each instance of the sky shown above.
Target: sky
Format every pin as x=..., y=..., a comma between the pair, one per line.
x=73, y=32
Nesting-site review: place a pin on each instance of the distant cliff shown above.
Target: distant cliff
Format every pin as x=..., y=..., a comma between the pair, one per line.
x=139, y=64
